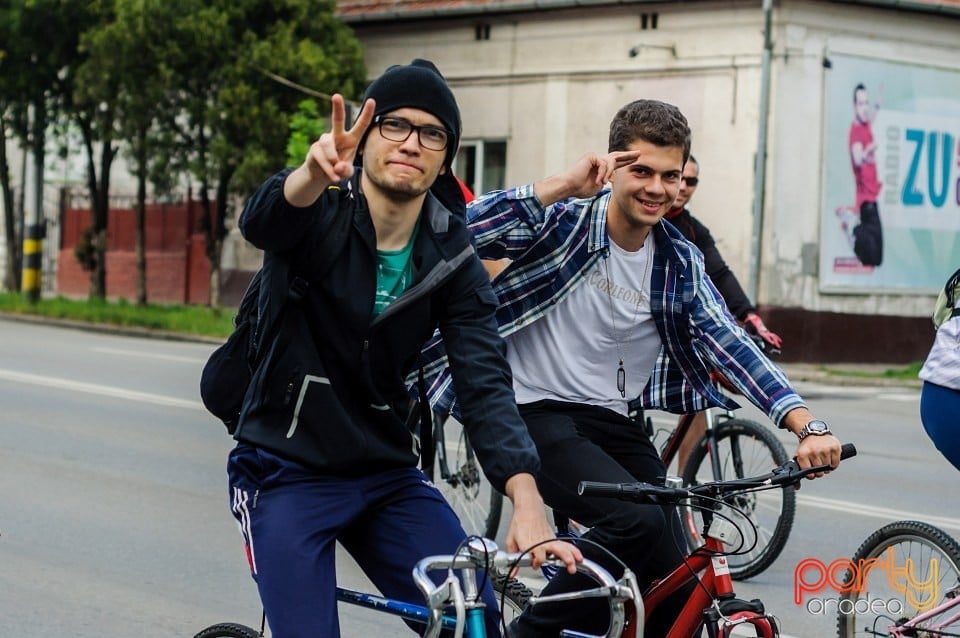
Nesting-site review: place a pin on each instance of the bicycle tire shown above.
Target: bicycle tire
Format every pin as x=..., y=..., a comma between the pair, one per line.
x=458, y=476
x=229, y=630
x=512, y=596
x=919, y=542
x=746, y=448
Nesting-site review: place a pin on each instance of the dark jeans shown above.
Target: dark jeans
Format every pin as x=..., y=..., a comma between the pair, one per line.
x=868, y=236
x=585, y=443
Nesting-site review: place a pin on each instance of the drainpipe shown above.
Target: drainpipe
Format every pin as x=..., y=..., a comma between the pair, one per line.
x=759, y=171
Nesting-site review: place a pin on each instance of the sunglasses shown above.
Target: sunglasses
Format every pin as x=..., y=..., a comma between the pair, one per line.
x=691, y=181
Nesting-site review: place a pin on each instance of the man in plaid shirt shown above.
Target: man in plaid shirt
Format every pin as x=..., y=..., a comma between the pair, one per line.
x=604, y=306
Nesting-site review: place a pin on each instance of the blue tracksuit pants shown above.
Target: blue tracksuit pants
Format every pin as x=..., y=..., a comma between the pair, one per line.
x=291, y=519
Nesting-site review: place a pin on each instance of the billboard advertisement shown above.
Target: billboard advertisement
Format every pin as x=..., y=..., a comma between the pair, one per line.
x=891, y=177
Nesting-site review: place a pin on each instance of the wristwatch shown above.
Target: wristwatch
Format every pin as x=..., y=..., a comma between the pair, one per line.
x=815, y=428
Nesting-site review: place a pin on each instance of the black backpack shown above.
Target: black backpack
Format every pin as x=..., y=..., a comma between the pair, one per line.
x=227, y=372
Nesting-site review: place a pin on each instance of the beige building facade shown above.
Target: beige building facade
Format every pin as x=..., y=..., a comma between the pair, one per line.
x=539, y=82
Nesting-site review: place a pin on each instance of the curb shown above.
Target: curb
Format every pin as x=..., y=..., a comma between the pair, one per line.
x=133, y=331
x=840, y=374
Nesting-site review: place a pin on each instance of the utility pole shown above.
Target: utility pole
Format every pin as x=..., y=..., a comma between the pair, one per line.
x=759, y=172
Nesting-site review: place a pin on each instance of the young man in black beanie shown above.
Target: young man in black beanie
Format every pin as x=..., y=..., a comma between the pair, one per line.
x=325, y=448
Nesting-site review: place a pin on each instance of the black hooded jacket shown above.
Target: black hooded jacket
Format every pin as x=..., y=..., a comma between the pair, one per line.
x=723, y=278
x=331, y=392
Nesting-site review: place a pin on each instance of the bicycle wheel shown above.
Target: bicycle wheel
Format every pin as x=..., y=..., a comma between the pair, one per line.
x=229, y=630
x=744, y=448
x=916, y=568
x=461, y=481
x=512, y=596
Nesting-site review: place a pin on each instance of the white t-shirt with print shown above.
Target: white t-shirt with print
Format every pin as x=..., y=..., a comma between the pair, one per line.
x=572, y=352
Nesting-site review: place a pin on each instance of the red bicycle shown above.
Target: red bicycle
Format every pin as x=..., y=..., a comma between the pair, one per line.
x=713, y=604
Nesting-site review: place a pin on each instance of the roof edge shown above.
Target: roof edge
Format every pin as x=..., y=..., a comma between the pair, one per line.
x=439, y=10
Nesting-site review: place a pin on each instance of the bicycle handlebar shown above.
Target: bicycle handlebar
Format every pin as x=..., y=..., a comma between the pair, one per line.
x=787, y=474
x=493, y=559
x=481, y=553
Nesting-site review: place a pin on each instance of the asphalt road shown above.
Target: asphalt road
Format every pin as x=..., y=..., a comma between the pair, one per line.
x=114, y=518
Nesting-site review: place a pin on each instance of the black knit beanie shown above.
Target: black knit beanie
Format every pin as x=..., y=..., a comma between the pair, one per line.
x=418, y=85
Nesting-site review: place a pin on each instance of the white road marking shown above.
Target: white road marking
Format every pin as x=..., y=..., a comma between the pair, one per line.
x=849, y=507
x=101, y=390
x=149, y=355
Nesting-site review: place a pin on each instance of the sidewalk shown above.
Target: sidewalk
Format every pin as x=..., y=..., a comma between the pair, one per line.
x=848, y=374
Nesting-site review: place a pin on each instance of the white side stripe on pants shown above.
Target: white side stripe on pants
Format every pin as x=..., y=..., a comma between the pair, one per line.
x=242, y=514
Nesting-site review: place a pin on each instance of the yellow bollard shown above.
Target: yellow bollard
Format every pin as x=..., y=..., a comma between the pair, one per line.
x=32, y=260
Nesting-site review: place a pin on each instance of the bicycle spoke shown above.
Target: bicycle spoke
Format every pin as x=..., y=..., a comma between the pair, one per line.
x=463, y=485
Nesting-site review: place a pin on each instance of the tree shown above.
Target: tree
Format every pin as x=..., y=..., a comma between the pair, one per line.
x=39, y=42
x=191, y=87
x=13, y=239
x=306, y=126
x=128, y=64
x=236, y=113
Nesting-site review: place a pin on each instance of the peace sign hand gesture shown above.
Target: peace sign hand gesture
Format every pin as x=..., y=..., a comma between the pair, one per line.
x=330, y=158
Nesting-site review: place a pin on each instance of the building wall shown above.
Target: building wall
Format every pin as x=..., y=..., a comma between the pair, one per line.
x=178, y=270
x=807, y=34
x=549, y=82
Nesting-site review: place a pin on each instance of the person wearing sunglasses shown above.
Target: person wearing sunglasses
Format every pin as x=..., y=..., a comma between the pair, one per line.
x=723, y=278
x=327, y=446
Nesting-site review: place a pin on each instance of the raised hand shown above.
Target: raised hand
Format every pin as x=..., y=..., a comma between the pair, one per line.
x=592, y=171
x=585, y=178
x=331, y=157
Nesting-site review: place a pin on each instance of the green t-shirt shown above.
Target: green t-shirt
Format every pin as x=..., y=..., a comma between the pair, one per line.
x=394, y=273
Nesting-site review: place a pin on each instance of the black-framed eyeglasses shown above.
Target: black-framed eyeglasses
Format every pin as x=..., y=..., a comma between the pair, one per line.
x=691, y=181
x=397, y=129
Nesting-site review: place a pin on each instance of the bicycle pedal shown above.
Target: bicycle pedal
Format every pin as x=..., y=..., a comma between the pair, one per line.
x=953, y=593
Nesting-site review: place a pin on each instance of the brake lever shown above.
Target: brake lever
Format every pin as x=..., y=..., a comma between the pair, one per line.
x=790, y=471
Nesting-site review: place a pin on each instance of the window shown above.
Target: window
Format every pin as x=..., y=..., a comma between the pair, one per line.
x=482, y=165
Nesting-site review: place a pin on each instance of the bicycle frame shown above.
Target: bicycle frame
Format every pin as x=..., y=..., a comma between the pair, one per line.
x=712, y=602
x=672, y=445
x=406, y=611
x=716, y=584
x=908, y=628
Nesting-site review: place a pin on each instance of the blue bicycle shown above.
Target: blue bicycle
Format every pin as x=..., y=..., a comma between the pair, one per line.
x=454, y=605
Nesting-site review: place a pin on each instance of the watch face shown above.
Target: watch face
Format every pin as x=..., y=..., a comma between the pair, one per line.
x=815, y=427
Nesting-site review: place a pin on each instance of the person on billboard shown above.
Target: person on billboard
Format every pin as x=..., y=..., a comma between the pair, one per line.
x=862, y=223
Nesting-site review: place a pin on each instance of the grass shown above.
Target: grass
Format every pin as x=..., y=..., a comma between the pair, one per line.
x=183, y=319
x=908, y=372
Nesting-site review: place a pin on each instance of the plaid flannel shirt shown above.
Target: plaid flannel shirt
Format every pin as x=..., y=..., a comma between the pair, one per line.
x=553, y=247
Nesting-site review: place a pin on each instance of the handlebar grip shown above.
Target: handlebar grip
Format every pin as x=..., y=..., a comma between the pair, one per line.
x=592, y=488
x=847, y=450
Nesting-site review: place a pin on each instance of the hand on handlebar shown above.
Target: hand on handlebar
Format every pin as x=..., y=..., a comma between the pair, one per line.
x=819, y=451
x=529, y=527
x=755, y=326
